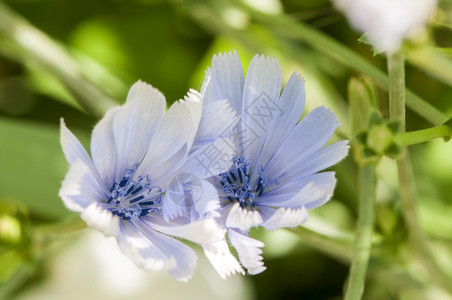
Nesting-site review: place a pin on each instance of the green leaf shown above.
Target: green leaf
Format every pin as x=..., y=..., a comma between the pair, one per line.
x=33, y=166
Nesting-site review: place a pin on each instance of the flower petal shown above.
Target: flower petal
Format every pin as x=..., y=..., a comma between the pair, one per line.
x=243, y=219
x=193, y=101
x=143, y=250
x=174, y=133
x=207, y=203
x=103, y=147
x=318, y=161
x=136, y=124
x=248, y=251
x=291, y=105
x=309, y=135
x=293, y=185
x=80, y=187
x=217, y=119
x=310, y=191
x=101, y=219
x=178, y=259
x=201, y=232
x=211, y=159
x=72, y=148
x=260, y=95
x=221, y=259
x=163, y=172
x=226, y=80
x=190, y=196
x=286, y=218
x=307, y=194
x=173, y=204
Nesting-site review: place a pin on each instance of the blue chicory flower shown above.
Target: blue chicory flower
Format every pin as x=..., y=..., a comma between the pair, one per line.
x=274, y=176
x=127, y=188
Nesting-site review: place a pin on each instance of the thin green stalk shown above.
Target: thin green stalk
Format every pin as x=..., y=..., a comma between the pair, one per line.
x=433, y=61
x=337, y=248
x=361, y=251
x=407, y=189
x=56, y=231
x=396, y=71
x=424, y=135
x=34, y=47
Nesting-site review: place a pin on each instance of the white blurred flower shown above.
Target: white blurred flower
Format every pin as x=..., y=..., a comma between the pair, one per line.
x=387, y=22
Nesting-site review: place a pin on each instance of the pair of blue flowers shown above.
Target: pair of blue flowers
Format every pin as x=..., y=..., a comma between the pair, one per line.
x=217, y=163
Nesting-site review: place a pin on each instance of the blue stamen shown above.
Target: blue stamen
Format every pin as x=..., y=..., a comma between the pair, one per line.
x=236, y=183
x=136, y=199
x=128, y=197
x=137, y=190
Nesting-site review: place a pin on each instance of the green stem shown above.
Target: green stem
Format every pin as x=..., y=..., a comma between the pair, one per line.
x=56, y=231
x=407, y=189
x=424, y=135
x=396, y=71
x=433, y=61
x=33, y=46
x=337, y=248
x=361, y=251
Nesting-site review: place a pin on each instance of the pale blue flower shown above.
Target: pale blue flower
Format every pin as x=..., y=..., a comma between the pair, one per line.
x=137, y=151
x=274, y=174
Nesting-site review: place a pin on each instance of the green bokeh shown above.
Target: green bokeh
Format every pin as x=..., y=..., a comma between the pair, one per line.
x=170, y=44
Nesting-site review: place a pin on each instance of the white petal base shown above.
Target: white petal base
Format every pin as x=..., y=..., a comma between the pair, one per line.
x=101, y=219
x=243, y=219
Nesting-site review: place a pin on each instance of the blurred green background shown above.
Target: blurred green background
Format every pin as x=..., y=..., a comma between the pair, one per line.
x=67, y=58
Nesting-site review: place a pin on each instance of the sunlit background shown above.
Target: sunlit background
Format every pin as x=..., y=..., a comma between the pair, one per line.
x=55, y=52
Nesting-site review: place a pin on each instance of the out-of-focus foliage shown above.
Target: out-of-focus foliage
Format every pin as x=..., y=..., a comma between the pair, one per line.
x=94, y=50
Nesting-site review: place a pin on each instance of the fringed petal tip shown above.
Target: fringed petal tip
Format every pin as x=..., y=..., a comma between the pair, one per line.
x=222, y=260
x=101, y=219
x=264, y=59
x=249, y=251
x=193, y=96
x=232, y=54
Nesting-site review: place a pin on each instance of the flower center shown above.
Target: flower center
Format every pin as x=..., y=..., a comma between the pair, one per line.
x=131, y=198
x=236, y=183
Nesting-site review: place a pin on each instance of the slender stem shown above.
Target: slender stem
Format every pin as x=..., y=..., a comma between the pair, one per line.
x=396, y=71
x=424, y=135
x=55, y=231
x=433, y=61
x=337, y=248
x=407, y=189
x=361, y=251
